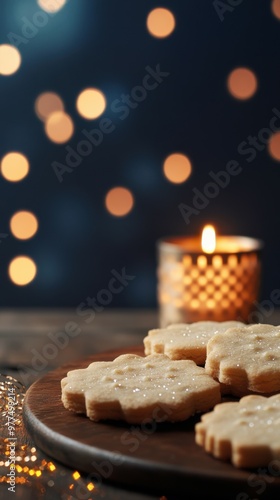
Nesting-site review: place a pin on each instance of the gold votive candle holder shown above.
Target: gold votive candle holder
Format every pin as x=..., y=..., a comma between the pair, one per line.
x=219, y=286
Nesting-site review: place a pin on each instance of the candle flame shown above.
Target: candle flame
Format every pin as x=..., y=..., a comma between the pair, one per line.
x=208, y=239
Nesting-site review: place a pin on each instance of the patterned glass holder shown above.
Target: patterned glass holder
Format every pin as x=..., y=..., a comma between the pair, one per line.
x=219, y=286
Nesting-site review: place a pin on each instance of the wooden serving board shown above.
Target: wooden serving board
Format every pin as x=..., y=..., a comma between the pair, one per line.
x=164, y=458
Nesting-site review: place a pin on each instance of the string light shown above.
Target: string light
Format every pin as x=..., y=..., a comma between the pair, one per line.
x=119, y=201
x=177, y=168
x=160, y=22
x=47, y=103
x=10, y=59
x=274, y=146
x=59, y=127
x=22, y=270
x=24, y=225
x=91, y=103
x=14, y=166
x=242, y=83
x=51, y=6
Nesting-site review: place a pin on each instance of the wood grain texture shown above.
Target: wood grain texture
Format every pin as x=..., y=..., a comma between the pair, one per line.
x=162, y=458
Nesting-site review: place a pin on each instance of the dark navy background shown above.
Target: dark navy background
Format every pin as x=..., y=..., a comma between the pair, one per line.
x=105, y=44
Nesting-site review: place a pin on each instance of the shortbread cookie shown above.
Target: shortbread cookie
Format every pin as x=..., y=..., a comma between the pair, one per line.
x=134, y=388
x=246, y=432
x=246, y=360
x=185, y=340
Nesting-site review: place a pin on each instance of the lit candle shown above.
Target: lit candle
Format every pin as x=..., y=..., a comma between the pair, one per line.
x=209, y=278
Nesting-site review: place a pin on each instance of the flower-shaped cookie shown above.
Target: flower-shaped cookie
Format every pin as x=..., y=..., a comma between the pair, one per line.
x=246, y=359
x=185, y=341
x=134, y=388
x=246, y=432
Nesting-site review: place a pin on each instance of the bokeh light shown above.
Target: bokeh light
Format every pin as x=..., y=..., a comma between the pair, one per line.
x=242, y=83
x=51, y=6
x=160, y=22
x=14, y=166
x=23, y=225
x=91, y=103
x=10, y=59
x=275, y=7
x=47, y=103
x=177, y=168
x=274, y=146
x=22, y=270
x=119, y=201
x=59, y=127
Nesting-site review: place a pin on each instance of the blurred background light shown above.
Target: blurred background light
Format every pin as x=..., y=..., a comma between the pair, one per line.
x=70, y=50
x=47, y=103
x=274, y=146
x=242, y=83
x=59, y=127
x=14, y=166
x=275, y=6
x=160, y=22
x=10, y=59
x=91, y=103
x=22, y=270
x=119, y=201
x=23, y=225
x=177, y=168
x=51, y=6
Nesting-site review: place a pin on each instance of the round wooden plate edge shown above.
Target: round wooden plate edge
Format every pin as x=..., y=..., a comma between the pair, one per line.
x=128, y=473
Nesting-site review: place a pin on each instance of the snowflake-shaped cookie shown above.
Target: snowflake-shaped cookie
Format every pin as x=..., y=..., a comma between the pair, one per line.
x=185, y=340
x=246, y=359
x=246, y=432
x=134, y=388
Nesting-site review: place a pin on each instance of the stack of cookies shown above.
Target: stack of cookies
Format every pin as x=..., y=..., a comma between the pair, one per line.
x=187, y=368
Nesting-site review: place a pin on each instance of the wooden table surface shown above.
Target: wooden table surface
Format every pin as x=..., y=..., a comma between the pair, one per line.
x=24, y=335
x=33, y=342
